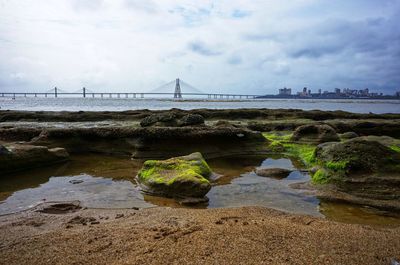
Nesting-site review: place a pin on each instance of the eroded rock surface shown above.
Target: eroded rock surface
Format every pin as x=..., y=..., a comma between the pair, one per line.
x=315, y=133
x=16, y=157
x=360, y=171
x=278, y=173
x=359, y=155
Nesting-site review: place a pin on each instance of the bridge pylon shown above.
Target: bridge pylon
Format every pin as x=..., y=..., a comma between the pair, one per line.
x=178, y=92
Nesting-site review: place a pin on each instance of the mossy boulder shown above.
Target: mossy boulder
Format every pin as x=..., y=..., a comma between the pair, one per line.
x=179, y=177
x=358, y=156
x=315, y=133
x=359, y=171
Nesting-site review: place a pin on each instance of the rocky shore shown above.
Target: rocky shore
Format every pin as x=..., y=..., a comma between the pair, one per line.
x=352, y=158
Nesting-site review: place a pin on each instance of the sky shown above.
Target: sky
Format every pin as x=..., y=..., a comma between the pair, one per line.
x=227, y=46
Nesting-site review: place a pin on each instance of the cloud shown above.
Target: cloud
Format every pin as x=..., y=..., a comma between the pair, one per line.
x=147, y=6
x=235, y=59
x=237, y=13
x=87, y=5
x=201, y=48
x=235, y=45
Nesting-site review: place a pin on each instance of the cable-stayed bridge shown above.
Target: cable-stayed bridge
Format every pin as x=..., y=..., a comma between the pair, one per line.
x=176, y=89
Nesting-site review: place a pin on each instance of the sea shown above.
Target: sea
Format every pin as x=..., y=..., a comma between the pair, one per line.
x=122, y=104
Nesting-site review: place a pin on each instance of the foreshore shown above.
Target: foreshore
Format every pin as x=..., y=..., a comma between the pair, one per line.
x=352, y=158
x=250, y=235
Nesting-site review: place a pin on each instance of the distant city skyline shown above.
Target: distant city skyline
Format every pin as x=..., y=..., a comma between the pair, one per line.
x=218, y=46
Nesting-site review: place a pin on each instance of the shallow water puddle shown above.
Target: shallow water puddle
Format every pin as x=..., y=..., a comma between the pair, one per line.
x=108, y=182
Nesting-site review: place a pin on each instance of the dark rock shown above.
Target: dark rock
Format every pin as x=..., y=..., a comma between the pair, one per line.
x=4, y=150
x=185, y=176
x=278, y=173
x=162, y=119
x=119, y=215
x=22, y=157
x=223, y=123
x=75, y=181
x=60, y=208
x=191, y=119
x=348, y=135
x=315, y=133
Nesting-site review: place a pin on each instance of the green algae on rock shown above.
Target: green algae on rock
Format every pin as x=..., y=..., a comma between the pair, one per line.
x=357, y=156
x=184, y=176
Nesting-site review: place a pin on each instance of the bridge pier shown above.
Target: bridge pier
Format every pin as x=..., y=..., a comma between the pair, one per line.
x=45, y=95
x=134, y=95
x=101, y=95
x=141, y=95
x=118, y=95
x=110, y=95
x=2, y=94
x=126, y=95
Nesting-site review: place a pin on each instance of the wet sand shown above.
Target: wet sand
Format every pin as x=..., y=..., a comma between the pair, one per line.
x=249, y=235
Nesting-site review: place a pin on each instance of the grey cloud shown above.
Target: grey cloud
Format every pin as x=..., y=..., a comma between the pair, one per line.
x=201, y=48
x=374, y=38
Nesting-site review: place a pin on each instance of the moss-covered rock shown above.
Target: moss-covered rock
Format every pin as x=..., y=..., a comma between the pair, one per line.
x=357, y=156
x=184, y=176
x=315, y=133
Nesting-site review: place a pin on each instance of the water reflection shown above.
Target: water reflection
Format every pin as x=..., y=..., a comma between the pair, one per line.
x=108, y=182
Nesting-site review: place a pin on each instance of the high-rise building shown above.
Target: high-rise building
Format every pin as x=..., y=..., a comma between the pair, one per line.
x=285, y=91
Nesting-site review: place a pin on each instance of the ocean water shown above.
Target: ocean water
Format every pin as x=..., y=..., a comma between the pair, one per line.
x=121, y=104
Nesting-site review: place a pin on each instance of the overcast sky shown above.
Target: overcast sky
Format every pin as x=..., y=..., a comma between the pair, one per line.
x=237, y=46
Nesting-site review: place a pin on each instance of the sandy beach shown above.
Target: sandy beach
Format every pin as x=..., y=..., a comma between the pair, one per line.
x=250, y=235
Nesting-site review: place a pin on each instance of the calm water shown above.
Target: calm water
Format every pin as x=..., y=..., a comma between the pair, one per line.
x=107, y=104
x=108, y=182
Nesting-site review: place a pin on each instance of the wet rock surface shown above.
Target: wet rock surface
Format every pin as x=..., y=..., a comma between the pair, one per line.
x=315, y=133
x=59, y=208
x=185, y=176
x=278, y=173
x=17, y=157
